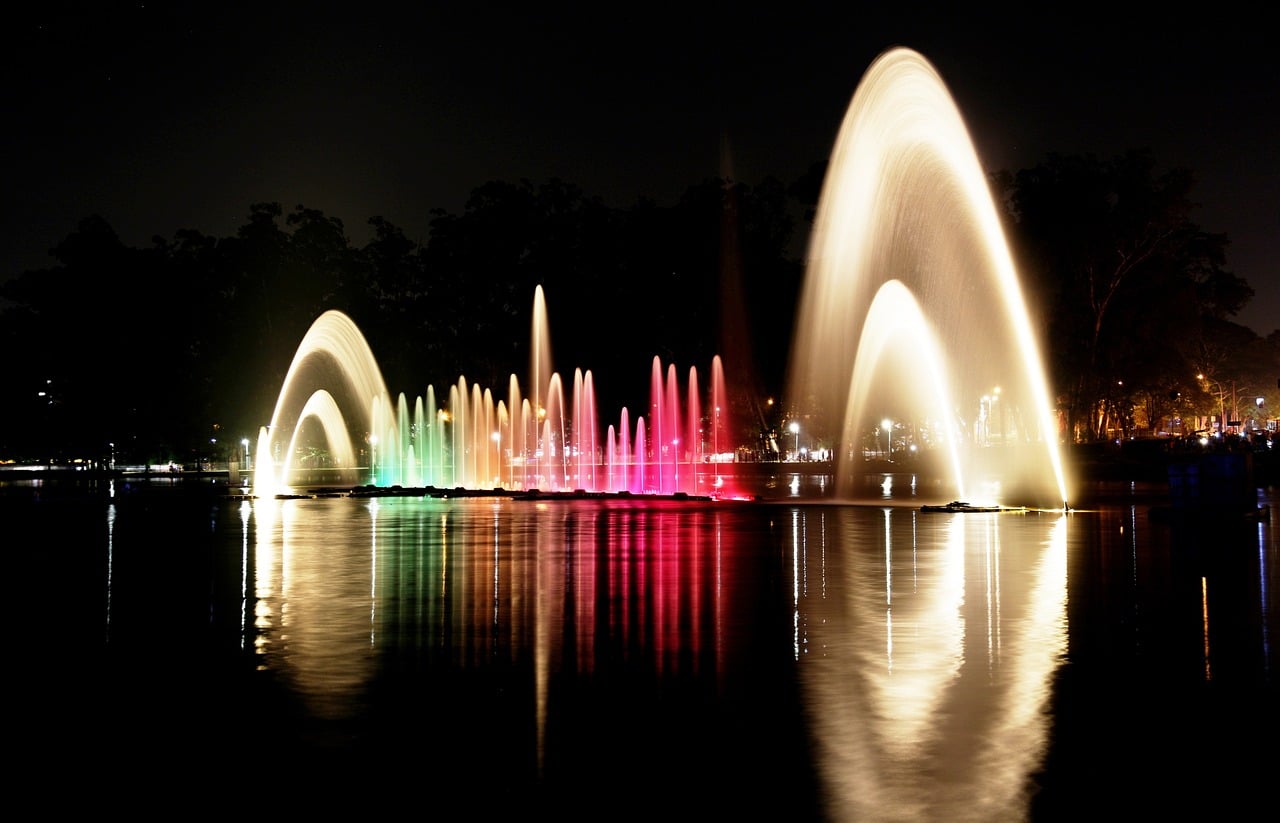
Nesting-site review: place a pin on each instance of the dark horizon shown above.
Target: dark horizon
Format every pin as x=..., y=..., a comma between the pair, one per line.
x=647, y=117
x=160, y=120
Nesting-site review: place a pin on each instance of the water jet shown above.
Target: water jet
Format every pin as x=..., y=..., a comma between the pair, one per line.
x=545, y=437
x=911, y=310
x=911, y=300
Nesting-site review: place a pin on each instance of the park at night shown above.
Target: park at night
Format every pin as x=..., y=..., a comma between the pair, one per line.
x=909, y=488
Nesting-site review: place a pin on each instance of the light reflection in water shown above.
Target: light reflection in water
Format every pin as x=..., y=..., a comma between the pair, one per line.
x=246, y=512
x=911, y=654
x=1264, y=573
x=373, y=572
x=111, y=552
x=316, y=608
x=929, y=658
x=346, y=588
x=1204, y=622
x=925, y=645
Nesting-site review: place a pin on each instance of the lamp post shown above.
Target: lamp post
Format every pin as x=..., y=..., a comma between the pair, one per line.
x=373, y=461
x=1222, y=408
x=795, y=429
x=887, y=425
x=244, y=442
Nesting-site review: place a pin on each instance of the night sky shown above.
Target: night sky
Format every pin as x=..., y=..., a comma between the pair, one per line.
x=161, y=117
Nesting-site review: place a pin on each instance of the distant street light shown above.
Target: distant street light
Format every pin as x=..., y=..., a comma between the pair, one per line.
x=245, y=444
x=795, y=429
x=887, y=425
x=373, y=462
x=1222, y=404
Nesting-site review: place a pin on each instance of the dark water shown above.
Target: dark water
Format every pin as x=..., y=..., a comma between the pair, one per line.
x=179, y=649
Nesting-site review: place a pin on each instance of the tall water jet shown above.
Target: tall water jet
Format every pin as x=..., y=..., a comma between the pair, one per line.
x=905, y=201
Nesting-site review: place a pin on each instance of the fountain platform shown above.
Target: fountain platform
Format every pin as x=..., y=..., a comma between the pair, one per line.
x=499, y=492
x=961, y=506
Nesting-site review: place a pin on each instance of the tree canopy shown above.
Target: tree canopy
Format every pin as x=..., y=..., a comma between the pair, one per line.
x=177, y=351
x=1136, y=296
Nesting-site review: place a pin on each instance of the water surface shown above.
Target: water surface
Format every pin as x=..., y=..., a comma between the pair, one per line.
x=632, y=658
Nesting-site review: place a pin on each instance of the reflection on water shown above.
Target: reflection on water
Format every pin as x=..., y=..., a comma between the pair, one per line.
x=846, y=662
x=925, y=643
x=314, y=599
x=927, y=647
x=346, y=588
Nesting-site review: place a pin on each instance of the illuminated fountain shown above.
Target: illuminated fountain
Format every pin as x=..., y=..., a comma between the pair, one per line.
x=927, y=655
x=548, y=438
x=911, y=312
x=332, y=357
x=912, y=309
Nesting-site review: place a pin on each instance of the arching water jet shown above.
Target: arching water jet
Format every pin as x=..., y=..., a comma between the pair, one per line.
x=905, y=199
x=335, y=358
x=897, y=338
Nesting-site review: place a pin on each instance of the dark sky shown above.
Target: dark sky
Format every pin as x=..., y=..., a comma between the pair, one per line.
x=160, y=117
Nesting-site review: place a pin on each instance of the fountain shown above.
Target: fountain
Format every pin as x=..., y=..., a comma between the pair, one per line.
x=911, y=301
x=544, y=439
x=332, y=357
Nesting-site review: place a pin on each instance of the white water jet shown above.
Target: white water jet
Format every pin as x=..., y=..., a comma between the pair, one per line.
x=905, y=199
x=335, y=359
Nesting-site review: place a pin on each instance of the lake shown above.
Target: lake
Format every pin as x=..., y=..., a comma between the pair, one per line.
x=180, y=648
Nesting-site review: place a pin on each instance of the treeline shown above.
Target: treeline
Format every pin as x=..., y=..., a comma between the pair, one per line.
x=177, y=351
x=164, y=350
x=1137, y=299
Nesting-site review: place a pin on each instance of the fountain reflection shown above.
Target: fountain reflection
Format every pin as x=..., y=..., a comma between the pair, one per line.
x=927, y=652
x=350, y=588
x=314, y=600
x=925, y=645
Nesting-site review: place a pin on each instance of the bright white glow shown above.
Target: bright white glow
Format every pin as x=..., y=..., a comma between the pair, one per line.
x=906, y=200
x=332, y=340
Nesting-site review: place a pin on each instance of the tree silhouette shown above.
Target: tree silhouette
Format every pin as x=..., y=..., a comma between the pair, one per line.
x=177, y=351
x=1126, y=279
